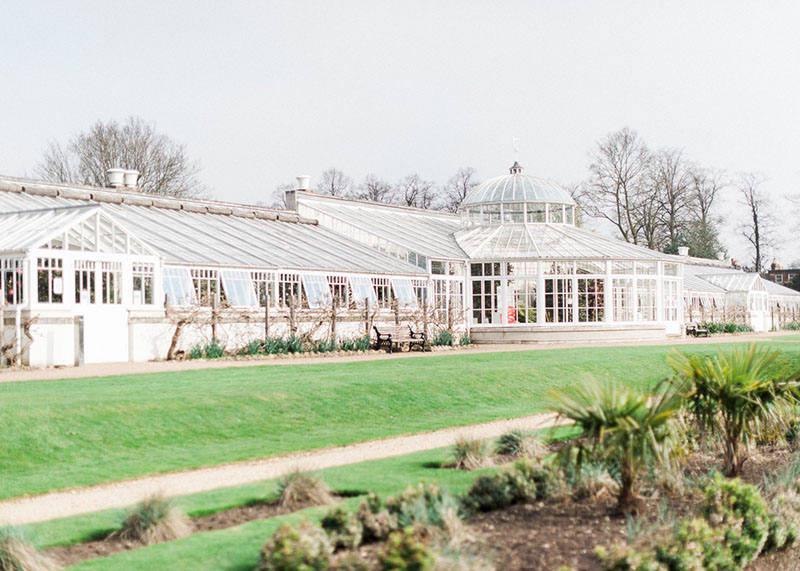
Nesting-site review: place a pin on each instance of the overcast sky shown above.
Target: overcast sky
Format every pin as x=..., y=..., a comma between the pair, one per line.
x=261, y=92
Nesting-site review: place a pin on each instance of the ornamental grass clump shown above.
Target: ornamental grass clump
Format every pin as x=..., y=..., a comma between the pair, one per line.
x=17, y=554
x=298, y=489
x=154, y=520
x=471, y=454
x=519, y=443
x=619, y=426
x=738, y=395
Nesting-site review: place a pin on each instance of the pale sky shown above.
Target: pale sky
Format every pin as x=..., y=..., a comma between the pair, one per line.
x=261, y=92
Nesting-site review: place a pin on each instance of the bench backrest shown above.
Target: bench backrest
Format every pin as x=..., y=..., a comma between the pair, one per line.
x=393, y=330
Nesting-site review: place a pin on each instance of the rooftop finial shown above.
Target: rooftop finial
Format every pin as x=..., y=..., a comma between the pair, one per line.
x=515, y=168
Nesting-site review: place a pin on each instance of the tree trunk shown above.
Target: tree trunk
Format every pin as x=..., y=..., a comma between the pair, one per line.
x=627, y=502
x=175, y=337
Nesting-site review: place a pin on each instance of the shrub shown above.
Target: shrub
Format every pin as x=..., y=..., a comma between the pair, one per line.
x=793, y=326
x=406, y=552
x=196, y=352
x=299, y=489
x=548, y=481
x=619, y=425
x=738, y=394
x=471, y=454
x=376, y=523
x=275, y=346
x=444, y=337
x=324, y=346
x=730, y=328
x=519, y=443
x=363, y=343
x=464, y=341
x=303, y=547
x=594, y=483
x=743, y=328
x=253, y=348
x=347, y=344
x=154, y=520
x=343, y=528
x=741, y=511
x=497, y=491
x=294, y=344
x=213, y=349
x=17, y=554
x=425, y=504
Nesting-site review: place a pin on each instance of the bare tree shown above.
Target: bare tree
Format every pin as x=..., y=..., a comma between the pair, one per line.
x=334, y=182
x=279, y=194
x=706, y=187
x=163, y=165
x=458, y=187
x=758, y=226
x=617, y=183
x=375, y=189
x=671, y=177
x=413, y=190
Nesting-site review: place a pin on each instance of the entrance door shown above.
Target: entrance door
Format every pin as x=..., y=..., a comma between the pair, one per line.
x=485, y=303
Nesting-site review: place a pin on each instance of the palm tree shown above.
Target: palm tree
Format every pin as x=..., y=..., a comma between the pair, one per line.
x=738, y=394
x=620, y=425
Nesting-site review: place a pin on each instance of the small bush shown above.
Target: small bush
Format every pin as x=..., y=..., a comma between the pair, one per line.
x=742, y=328
x=347, y=344
x=405, y=551
x=470, y=454
x=324, y=346
x=275, y=346
x=464, y=341
x=498, y=491
x=213, y=350
x=154, y=520
x=594, y=483
x=793, y=326
x=299, y=489
x=343, y=528
x=17, y=554
x=363, y=343
x=444, y=338
x=426, y=504
x=548, y=481
x=253, y=348
x=196, y=352
x=741, y=510
x=730, y=328
x=303, y=547
x=294, y=344
x=376, y=523
x=520, y=443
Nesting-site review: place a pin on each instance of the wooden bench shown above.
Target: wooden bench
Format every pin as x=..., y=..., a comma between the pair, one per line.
x=389, y=336
x=695, y=330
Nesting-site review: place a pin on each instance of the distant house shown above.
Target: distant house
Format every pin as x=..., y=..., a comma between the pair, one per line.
x=780, y=275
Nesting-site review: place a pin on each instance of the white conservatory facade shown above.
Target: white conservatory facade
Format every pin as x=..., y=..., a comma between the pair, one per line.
x=109, y=274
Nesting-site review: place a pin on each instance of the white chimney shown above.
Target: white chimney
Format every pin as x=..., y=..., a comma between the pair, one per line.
x=683, y=251
x=116, y=177
x=131, y=179
x=303, y=182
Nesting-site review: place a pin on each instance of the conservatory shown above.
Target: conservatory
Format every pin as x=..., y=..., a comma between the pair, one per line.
x=528, y=273
x=102, y=275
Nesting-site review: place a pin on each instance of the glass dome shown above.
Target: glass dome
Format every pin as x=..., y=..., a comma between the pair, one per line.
x=517, y=198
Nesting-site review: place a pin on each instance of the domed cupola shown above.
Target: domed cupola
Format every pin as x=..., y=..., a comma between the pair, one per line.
x=517, y=198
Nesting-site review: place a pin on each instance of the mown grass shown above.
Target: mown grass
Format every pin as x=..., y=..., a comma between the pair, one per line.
x=59, y=434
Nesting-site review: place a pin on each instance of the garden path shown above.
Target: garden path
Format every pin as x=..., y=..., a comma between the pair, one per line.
x=18, y=511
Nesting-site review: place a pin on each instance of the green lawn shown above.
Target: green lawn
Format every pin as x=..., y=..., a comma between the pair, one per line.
x=59, y=434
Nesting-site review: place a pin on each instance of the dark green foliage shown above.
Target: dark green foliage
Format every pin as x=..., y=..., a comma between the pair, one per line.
x=275, y=346
x=742, y=328
x=343, y=528
x=196, y=352
x=714, y=327
x=363, y=343
x=444, y=338
x=406, y=552
x=498, y=491
x=294, y=344
x=794, y=325
x=253, y=348
x=511, y=443
x=730, y=328
x=324, y=346
x=548, y=482
x=741, y=510
x=697, y=545
x=464, y=341
x=213, y=350
x=304, y=547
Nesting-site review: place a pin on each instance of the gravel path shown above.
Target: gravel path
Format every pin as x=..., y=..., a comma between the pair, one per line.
x=54, y=505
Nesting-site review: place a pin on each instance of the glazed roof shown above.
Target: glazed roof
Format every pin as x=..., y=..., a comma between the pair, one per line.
x=517, y=187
